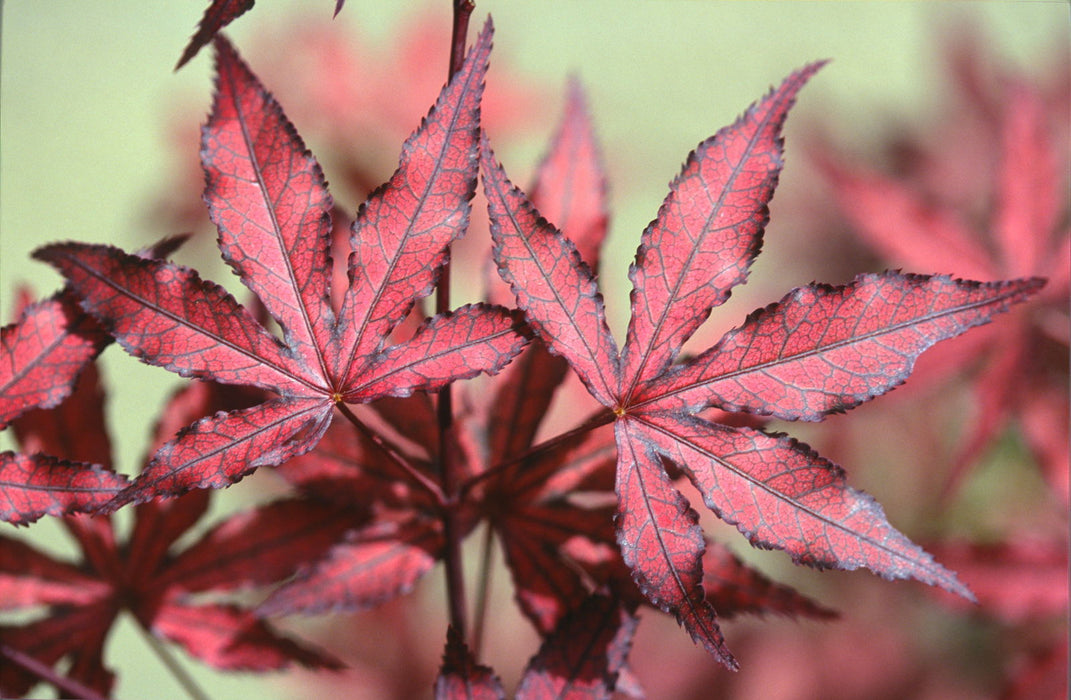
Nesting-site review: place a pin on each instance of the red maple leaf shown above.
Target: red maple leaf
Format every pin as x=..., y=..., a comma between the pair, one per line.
x=988, y=201
x=820, y=350
x=143, y=575
x=356, y=98
x=267, y=196
x=557, y=546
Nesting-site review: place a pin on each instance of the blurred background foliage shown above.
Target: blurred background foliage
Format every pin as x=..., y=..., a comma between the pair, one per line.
x=98, y=140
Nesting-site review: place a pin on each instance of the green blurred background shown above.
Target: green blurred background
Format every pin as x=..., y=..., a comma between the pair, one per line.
x=90, y=101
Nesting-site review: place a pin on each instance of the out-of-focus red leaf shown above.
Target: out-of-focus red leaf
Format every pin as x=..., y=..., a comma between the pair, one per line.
x=734, y=588
x=372, y=566
x=570, y=184
x=28, y=577
x=144, y=576
x=233, y=639
x=582, y=657
x=71, y=628
x=534, y=539
x=939, y=241
x=48, y=430
x=42, y=354
x=981, y=193
x=1019, y=580
x=460, y=677
x=257, y=547
x=1042, y=677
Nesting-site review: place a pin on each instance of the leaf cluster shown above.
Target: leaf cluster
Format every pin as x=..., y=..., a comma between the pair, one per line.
x=361, y=402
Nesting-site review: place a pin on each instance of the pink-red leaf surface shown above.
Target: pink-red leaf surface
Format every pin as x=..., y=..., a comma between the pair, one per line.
x=708, y=231
x=819, y=351
x=460, y=677
x=42, y=354
x=582, y=658
x=735, y=588
x=35, y=485
x=373, y=565
x=825, y=349
x=268, y=197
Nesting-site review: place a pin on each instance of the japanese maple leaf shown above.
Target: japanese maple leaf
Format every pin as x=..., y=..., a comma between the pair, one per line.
x=143, y=575
x=819, y=350
x=41, y=357
x=267, y=196
x=1011, y=161
x=557, y=547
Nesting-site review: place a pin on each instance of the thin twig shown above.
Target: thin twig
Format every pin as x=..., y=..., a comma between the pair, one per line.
x=415, y=474
x=596, y=420
x=483, y=592
x=67, y=686
x=455, y=577
x=167, y=658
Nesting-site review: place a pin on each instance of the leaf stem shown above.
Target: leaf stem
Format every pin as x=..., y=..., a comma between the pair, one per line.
x=67, y=686
x=415, y=474
x=167, y=658
x=596, y=420
x=455, y=577
x=483, y=593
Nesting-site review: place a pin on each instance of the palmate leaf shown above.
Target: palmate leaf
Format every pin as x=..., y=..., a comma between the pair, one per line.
x=819, y=351
x=267, y=195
